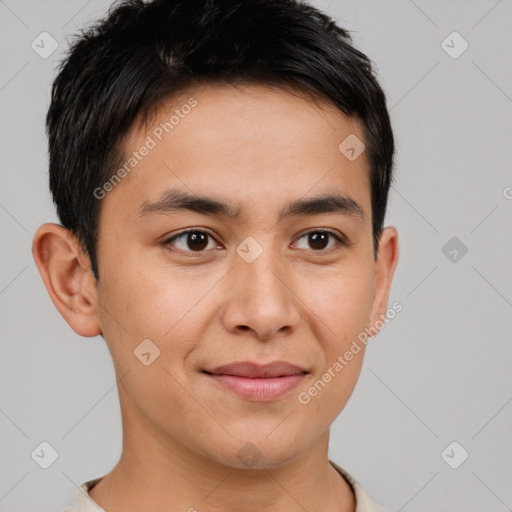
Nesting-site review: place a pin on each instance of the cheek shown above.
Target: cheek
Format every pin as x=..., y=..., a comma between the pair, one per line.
x=342, y=305
x=139, y=307
x=163, y=306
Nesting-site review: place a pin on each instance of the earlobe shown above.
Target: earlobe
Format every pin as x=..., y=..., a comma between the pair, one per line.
x=66, y=273
x=387, y=259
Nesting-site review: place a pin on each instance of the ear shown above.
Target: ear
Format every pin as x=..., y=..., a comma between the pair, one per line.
x=387, y=259
x=67, y=275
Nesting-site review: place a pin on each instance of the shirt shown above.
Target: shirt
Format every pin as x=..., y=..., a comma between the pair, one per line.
x=83, y=503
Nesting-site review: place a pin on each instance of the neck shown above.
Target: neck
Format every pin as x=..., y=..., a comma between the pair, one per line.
x=158, y=474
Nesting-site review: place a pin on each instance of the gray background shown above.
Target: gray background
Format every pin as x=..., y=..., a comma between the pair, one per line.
x=437, y=373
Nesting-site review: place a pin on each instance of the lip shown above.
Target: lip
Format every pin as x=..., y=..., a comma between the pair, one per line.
x=255, y=370
x=258, y=382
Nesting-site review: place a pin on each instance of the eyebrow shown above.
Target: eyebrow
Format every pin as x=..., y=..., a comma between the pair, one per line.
x=176, y=201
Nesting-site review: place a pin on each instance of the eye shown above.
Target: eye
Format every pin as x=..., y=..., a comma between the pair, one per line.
x=195, y=240
x=192, y=240
x=319, y=238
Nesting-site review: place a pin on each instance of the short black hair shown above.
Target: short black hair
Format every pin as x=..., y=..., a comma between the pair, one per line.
x=120, y=68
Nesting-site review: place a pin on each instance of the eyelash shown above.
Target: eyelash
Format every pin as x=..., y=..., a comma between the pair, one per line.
x=340, y=241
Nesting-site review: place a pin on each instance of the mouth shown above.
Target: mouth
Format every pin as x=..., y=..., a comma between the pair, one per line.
x=258, y=382
x=254, y=370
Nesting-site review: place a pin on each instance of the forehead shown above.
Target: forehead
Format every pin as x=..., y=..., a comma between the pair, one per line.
x=246, y=144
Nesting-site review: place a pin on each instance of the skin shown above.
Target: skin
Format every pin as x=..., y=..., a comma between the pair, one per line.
x=258, y=147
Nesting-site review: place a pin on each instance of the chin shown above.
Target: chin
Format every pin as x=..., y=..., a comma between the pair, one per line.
x=259, y=454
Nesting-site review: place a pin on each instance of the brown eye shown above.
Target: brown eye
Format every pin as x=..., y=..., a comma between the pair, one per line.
x=190, y=241
x=319, y=240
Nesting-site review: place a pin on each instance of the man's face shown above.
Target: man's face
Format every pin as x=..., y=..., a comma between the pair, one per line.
x=256, y=287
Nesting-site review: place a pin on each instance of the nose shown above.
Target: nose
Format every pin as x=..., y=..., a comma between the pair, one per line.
x=261, y=298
